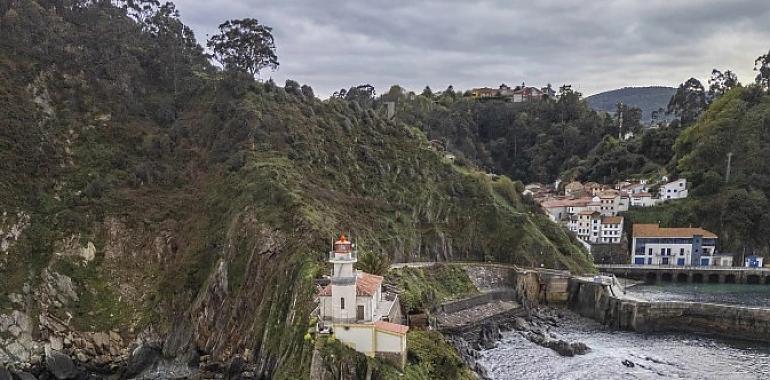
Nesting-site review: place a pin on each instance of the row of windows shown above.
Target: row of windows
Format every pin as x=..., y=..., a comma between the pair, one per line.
x=667, y=251
x=643, y=241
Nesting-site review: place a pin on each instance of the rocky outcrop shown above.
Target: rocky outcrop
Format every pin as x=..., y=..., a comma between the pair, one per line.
x=489, y=335
x=11, y=228
x=61, y=366
x=537, y=329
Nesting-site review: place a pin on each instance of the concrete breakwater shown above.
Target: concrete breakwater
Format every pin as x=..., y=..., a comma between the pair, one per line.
x=607, y=305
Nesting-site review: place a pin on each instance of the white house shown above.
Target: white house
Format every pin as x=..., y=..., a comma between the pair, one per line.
x=595, y=228
x=673, y=190
x=357, y=311
x=643, y=200
x=636, y=187
x=611, y=230
x=609, y=202
x=653, y=245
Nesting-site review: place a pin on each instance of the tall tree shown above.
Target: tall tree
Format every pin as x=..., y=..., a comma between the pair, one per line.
x=244, y=45
x=720, y=83
x=427, y=92
x=363, y=94
x=762, y=67
x=688, y=102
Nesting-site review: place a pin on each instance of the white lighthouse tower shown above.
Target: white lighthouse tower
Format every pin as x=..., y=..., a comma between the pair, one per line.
x=355, y=309
x=343, y=281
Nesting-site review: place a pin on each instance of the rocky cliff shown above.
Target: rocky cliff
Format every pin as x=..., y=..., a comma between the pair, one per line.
x=157, y=210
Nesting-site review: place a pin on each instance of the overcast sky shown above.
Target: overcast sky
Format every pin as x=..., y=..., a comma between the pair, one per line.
x=595, y=45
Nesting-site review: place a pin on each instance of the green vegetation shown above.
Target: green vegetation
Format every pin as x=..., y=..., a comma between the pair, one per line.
x=649, y=155
x=205, y=190
x=374, y=263
x=431, y=357
x=736, y=124
x=424, y=288
x=528, y=141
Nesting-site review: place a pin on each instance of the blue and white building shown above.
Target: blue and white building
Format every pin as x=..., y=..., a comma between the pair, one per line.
x=654, y=245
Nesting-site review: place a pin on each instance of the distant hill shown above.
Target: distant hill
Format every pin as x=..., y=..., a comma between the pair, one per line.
x=648, y=99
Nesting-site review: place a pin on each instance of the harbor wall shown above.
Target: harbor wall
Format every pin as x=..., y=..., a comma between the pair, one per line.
x=601, y=303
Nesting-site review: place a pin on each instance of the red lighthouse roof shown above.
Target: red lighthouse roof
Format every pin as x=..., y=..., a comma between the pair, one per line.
x=342, y=240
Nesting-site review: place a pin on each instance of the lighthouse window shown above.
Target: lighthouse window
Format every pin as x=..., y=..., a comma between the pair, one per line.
x=342, y=303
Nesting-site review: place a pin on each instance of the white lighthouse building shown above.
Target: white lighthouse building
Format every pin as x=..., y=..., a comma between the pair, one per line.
x=355, y=309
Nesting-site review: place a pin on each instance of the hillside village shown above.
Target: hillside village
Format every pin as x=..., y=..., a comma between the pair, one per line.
x=592, y=210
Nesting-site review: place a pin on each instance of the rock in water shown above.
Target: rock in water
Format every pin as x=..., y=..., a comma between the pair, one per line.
x=579, y=348
x=142, y=357
x=489, y=336
x=61, y=366
x=628, y=363
x=520, y=324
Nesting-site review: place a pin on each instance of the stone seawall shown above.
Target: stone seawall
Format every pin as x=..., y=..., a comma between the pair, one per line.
x=483, y=298
x=597, y=301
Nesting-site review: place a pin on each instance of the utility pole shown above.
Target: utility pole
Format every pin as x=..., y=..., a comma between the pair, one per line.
x=620, y=128
x=729, y=162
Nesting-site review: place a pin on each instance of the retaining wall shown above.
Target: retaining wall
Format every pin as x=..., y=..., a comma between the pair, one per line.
x=598, y=302
x=480, y=299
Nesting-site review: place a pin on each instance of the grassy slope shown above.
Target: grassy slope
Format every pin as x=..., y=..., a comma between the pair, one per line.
x=242, y=166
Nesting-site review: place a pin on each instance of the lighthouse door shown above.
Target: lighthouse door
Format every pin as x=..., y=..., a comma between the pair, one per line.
x=360, y=313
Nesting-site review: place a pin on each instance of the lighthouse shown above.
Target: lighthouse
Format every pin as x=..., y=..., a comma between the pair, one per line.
x=355, y=309
x=343, y=281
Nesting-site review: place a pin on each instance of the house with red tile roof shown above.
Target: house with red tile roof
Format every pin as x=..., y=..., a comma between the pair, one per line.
x=355, y=309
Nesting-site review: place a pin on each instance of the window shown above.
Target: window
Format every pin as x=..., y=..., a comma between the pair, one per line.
x=681, y=251
x=342, y=304
x=649, y=252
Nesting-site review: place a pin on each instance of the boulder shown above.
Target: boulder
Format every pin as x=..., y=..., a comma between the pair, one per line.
x=57, y=343
x=579, y=348
x=102, y=342
x=489, y=336
x=141, y=358
x=520, y=324
x=5, y=374
x=21, y=375
x=61, y=366
x=563, y=347
x=236, y=366
x=18, y=351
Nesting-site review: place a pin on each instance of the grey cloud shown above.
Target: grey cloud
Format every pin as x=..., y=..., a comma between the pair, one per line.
x=595, y=45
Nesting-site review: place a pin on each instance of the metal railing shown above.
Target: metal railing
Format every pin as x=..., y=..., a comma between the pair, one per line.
x=350, y=256
x=673, y=266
